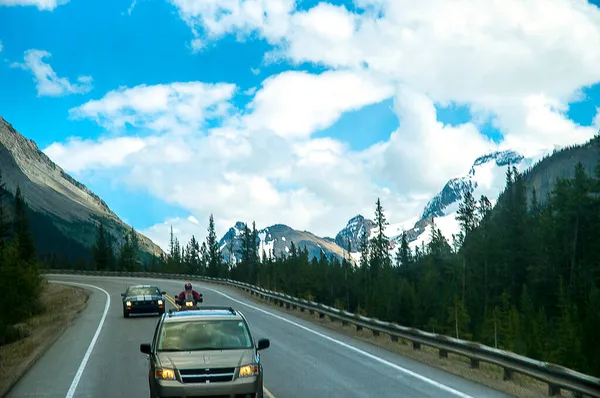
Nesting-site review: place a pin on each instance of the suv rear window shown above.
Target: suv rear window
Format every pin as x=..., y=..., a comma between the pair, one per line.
x=200, y=335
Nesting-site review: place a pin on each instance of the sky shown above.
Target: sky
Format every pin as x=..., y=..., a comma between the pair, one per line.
x=294, y=112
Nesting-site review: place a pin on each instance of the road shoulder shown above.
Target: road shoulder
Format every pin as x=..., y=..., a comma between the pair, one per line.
x=62, y=306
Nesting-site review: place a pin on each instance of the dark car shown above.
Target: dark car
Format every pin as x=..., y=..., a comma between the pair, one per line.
x=143, y=299
x=205, y=353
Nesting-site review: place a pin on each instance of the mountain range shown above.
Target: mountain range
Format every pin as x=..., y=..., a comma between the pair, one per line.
x=64, y=213
x=485, y=177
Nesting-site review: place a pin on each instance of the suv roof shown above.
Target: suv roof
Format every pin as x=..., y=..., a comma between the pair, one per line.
x=203, y=313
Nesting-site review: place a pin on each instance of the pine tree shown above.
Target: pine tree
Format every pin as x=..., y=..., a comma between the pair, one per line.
x=23, y=237
x=380, y=256
x=102, y=251
x=204, y=258
x=129, y=252
x=4, y=223
x=213, y=251
x=467, y=214
x=467, y=218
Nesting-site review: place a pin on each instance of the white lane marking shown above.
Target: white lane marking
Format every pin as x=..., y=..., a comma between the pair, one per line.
x=269, y=393
x=86, y=357
x=348, y=346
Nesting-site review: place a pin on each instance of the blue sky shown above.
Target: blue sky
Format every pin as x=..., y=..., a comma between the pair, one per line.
x=98, y=38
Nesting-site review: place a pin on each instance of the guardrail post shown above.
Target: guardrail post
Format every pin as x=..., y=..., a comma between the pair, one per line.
x=474, y=363
x=345, y=322
x=553, y=390
x=375, y=332
x=359, y=328
x=443, y=354
x=394, y=338
x=321, y=315
x=507, y=374
x=416, y=345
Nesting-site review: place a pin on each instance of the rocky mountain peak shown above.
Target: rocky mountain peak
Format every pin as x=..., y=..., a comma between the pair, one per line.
x=353, y=233
x=455, y=189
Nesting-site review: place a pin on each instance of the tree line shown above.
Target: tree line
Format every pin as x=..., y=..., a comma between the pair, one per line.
x=20, y=279
x=518, y=276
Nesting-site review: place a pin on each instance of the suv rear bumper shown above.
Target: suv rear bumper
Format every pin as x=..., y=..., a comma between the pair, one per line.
x=234, y=389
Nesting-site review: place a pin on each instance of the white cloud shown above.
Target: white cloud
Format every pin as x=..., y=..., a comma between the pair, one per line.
x=492, y=57
x=482, y=53
x=42, y=5
x=164, y=107
x=47, y=81
x=516, y=63
x=77, y=155
x=296, y=104
x=216, y=18
x=131, y=7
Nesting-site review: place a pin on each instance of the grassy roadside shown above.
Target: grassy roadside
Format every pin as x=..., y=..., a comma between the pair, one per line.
x=487, y=374
x=62, y=305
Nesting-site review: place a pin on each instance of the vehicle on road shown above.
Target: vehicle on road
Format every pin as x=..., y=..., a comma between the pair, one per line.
x=143, y=299
x=188, y=302
x=204, y=353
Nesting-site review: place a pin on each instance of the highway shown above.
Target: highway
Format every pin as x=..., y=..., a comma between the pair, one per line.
x=99, y=356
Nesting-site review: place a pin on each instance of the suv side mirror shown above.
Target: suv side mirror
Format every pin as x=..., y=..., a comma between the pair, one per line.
x=263, y=344
x=145, y=348
x=163, y=293
x=122, y=294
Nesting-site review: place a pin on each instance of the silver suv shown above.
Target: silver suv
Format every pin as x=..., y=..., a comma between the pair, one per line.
x=206, y=352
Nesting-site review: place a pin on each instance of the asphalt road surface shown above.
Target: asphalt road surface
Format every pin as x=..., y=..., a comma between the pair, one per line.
x=99, y=356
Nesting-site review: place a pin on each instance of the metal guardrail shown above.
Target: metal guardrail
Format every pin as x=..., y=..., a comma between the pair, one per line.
x=557, y=377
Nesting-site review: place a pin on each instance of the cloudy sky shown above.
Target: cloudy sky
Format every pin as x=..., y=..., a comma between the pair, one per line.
x=294, y=112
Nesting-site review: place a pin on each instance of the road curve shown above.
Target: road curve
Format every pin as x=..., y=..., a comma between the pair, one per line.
x=304, y=360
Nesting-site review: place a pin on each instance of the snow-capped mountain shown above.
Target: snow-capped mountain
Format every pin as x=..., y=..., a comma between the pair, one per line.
x=485, y=177
x=277, y=239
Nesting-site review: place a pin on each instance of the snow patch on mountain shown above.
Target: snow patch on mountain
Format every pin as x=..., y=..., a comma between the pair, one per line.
x=486, y=177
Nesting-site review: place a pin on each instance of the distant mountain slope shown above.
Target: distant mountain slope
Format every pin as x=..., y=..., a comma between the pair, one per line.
x=561, y=164
x=67, y=206
x=277, y=239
